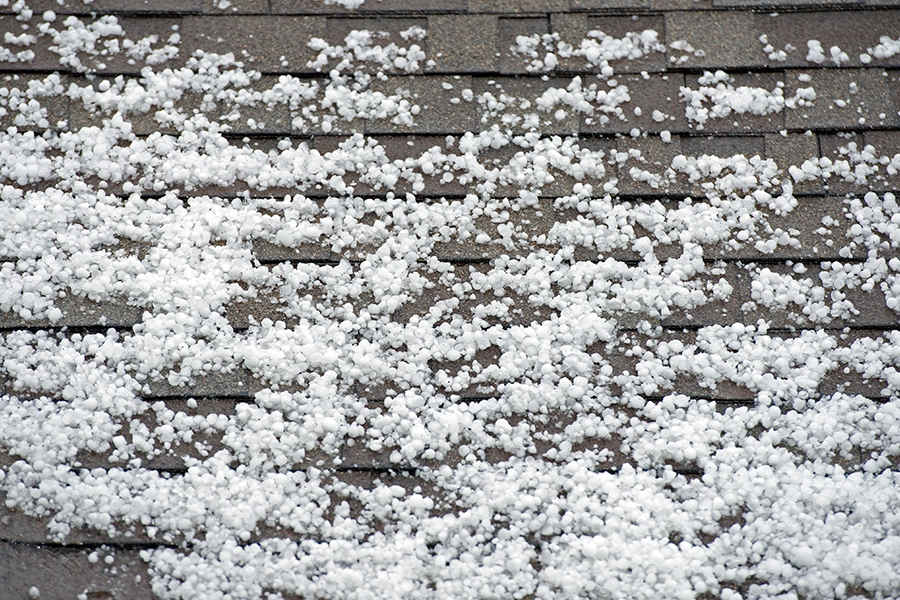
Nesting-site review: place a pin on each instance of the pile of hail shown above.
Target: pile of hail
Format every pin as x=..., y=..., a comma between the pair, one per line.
x=509, y=452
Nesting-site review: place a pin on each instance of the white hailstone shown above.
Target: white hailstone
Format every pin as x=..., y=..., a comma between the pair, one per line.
x=816, y=53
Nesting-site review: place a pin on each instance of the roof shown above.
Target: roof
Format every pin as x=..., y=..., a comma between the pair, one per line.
x=408, y=299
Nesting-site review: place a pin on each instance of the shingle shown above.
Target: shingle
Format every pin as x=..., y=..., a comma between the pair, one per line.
x=679, y=4
x=244, y=112
x=43, y=60
x=438, y=115
x=724, y=146
x=854, y=32
x=118, y=6
x=66, y=572
x=894, y=86
x=142, y=123
x=511, y=7
x=268, y=44
x=794, y=149
x=307, y=7
x=256, y=117
x=236, y=7
x=886, y=143
x=656, y=98
x=790, y=4
x=726, y=39
x=743, y=306
x=718, y=306
x=81, y=312
x=528, y=225
x=42, y=88
x=239, y=382
x=137, y=28
x=747, y=122
x=251, y=311
x=400, y=148
x=303, y=7
x=385, y=30
x=563, y=183
x=509, y=30
x=170, y=456
x=417, y=6
x=816, y=226
x=845, y=99
x=463, y=43
x=656, y=157
x=853, y=380
x=602, y=4
x=573, y=28
x=511, y=94
x=307, y=252
x=870, y=309
x=835, y=146
x=627, y=350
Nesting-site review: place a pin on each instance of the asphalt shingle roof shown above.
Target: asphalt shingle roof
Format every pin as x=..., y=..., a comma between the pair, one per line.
x=498, y=287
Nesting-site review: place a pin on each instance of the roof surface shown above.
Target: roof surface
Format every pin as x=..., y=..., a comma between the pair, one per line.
x=457, y=299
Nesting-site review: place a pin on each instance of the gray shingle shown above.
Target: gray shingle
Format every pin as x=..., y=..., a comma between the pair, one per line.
x=463, y=43
x=625, y=352
x=726, y=39
x=268, y=44
x=845, y=99
x=67, y=572
x=886, y=143
x=573, y=28
x=834, y=146
x=118, y=6
x=805, y=224
x=788, y=4
x=723, y=146
x=854, y=32
x=511, y=93
x=43, y=59
x=418, y=6
x=655, y=106
x=794, y=149
x=511, y=7
x=81, y=312
x=603, y=4
x=236, y=7
x=237, y=383
x=509, y=30
x=747, y=122
x=303, y=7
x=433, y=95
x=45, y=89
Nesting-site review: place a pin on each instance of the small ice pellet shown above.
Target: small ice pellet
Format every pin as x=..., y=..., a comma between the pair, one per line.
x=34, y=592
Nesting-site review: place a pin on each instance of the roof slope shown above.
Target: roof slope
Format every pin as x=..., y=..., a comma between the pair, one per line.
x=459, y=299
